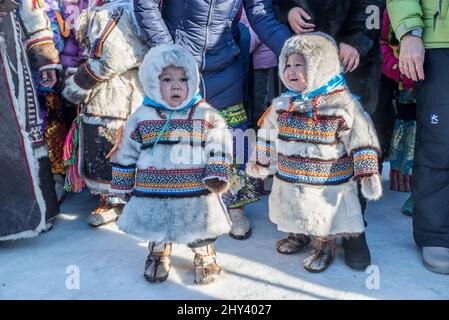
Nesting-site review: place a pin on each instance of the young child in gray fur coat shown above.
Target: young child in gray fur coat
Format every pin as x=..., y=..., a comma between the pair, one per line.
x=174, y=156
x=320, y=144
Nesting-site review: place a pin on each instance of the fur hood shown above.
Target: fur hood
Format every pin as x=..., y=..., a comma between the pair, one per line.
x=161, y=57
x=321, y=55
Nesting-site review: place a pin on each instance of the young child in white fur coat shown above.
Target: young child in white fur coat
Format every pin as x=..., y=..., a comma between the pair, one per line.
x=319, y=143
x=174, y=156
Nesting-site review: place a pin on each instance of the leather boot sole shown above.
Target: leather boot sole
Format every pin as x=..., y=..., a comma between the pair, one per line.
x=243, y=237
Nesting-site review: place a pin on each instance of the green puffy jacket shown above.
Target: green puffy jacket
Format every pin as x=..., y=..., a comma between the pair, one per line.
x=431, y=15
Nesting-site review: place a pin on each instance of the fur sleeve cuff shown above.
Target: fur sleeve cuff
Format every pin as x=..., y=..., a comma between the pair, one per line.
x=57, y=67
x=217, y=167
x=365, y=163
x=42, y=53
x=257, y=171
x=123, y=179
x=85, y=78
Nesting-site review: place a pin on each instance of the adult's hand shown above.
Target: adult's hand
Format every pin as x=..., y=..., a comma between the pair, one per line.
x=2, y=14
x=411, y=57
x=349, y=56
x=49, y=78
x=297, y=18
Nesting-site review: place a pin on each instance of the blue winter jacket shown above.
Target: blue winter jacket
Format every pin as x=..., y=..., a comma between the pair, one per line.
x=208, y=28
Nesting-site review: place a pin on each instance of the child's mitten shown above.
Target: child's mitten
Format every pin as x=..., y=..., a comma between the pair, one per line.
x=371, y=187
x=256, y=171
x=216, y=185
x=74, y=93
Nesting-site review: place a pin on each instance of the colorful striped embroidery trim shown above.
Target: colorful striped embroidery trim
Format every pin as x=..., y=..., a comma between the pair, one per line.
x=97, y=47
x=317, y=172
x=39, y=42
x=170, y=182
x=91, y=72
x=297, y=127
x=37, y=4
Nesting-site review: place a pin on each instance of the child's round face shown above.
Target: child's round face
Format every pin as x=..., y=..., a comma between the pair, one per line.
x=174, y=88
x=295, y=72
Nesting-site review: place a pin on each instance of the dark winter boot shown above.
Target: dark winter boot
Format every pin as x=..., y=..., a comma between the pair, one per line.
x=294, y=243
x=322, y=256
x=357, y=255
x=206, y=268
x=158, y=262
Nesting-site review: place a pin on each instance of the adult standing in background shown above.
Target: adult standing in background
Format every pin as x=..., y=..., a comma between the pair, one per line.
x=423, y=30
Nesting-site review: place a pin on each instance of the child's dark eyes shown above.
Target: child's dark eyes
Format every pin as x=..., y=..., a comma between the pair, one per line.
x=166, y=79
x=184, y=79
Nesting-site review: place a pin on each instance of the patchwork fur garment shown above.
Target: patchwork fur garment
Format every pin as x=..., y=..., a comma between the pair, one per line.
x=107, y=84
x=317, y=159
x=165, y=157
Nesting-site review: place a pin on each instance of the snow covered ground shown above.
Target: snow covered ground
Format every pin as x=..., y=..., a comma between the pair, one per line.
x=110, y=264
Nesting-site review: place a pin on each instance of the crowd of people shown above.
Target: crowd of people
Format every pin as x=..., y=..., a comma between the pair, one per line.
x=151, y=104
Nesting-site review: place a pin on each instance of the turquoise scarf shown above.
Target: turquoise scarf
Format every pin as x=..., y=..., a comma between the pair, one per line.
x=147, y=101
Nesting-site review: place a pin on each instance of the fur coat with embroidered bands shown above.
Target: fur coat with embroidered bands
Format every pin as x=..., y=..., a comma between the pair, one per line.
x=106, y=84
x=318, y=149
x=167, y=156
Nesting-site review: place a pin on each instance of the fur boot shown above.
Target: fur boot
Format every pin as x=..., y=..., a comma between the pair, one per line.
x=241, y=229
x=158, y=262
x=206, y=268
x=294, y=243
x=105, y=212
x=322, y=256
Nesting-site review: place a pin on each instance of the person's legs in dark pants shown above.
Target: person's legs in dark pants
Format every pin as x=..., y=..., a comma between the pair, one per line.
x=357, y=253
x=264, y=85
x=431, y=163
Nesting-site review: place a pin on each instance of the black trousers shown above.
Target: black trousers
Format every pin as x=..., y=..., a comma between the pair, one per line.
x=431, y=165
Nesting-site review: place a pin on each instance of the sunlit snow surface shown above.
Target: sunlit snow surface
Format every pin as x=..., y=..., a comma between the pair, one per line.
x=110, y=264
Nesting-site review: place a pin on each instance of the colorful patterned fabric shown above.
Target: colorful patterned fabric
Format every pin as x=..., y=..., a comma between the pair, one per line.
x=188, y=131
x=297, y=127
x=53, y=10
x=400, y=182
x=218, y=167
x=365, y=163
x=181, y=182
x=316, y=172
x=123, y=178
x=263, y=153
x=55, y=131
x=402, y=152
x=243, y=191
x=242, y=188
x=235, y=115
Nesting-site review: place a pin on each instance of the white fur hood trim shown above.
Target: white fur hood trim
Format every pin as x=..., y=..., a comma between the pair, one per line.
x=161, y=57
x=321, y=55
